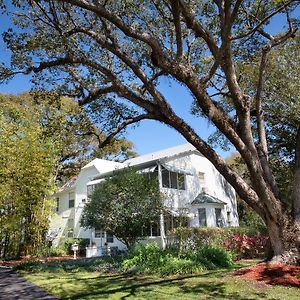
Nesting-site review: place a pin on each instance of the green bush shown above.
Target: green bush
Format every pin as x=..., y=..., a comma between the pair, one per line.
x=46, y=251
x=67, y=243
x=193, y=239
x=151, y=259
x=215, y=257
x=57, y=251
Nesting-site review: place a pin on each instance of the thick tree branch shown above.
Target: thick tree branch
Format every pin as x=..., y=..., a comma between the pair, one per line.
x=131, y=63
x=176, y=17
x=122, y=126
x=95, y=94
x=198, y=28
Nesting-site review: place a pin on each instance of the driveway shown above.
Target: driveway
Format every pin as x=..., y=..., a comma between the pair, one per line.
x=13, y=286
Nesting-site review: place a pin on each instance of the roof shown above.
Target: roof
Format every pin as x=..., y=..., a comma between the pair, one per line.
x=102, y=164
x=69, y=184
x=155, y=156
x=150, y=160
x=206, y=198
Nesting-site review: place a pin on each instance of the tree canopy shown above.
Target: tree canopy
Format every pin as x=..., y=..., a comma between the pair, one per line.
x=111, y=56
x=125, y=205
x=73, y=132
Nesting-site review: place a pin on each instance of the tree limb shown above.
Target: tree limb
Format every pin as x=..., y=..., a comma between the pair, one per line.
x=176, y=16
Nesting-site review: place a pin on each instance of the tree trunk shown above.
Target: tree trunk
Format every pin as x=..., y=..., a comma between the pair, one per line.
x=284, y=237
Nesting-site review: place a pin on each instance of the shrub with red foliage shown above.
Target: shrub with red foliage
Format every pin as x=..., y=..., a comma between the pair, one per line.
x=245, y=246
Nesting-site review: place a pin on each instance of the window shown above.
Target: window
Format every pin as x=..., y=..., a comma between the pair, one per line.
x=70, y=228
x=71, y=200
x=202, y=216
x=172, y=180
x=155, y=230
x=99, y=233
x=181, y=181
x=90, y=190
x=57, y=204
x=109, y=238
x=165, y=178
x=229, y=218
x=201, y=176
x=218, y=213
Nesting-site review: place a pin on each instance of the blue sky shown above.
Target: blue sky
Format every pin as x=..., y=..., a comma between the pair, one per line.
x=149, y=136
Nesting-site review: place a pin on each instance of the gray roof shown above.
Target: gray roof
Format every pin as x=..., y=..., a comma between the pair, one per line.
x=206, y=198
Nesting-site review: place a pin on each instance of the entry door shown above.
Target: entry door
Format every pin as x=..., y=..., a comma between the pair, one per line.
x=218, y=213
x=202, y=216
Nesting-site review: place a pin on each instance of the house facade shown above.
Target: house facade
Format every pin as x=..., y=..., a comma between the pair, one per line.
x=196, y=194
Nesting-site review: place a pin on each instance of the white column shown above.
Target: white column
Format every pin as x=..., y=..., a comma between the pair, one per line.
x=161, y=217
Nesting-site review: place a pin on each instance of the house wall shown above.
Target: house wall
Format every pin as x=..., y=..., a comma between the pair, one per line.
x=175, y=200
x=215, y=185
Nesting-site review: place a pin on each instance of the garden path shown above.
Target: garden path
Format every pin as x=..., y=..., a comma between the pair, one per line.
x=13, y=287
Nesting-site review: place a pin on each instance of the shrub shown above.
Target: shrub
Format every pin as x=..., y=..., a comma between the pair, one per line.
x=246, y=246
x=245, y=242
x=151, y=259
x=45, y=251
x=215, y=257
x=57, y=251
x=67, y=243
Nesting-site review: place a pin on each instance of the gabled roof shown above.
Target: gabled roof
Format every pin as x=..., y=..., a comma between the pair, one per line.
x=155, y=156
x=102, y=164
x=204, y=198
x=149, y=160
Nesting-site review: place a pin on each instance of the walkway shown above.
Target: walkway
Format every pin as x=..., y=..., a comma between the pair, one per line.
x=13, y=286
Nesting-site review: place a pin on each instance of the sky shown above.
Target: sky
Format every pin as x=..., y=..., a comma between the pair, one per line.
x=148, y=136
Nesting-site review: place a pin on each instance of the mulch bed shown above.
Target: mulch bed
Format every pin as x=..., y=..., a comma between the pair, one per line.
x=274, y=274
x=12, y=263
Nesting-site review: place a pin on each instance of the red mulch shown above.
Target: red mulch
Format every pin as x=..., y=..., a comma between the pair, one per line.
x=12, y=263
x=274, y=274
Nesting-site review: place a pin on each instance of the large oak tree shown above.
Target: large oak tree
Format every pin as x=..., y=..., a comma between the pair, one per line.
x=111, y=55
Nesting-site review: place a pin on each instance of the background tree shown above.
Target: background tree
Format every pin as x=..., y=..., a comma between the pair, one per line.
x=27, y=167
x=75, y=135
x=110, y=56
x=43, y=139
x=125, y=205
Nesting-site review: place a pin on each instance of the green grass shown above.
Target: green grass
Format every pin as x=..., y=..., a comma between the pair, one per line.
x=74, y=282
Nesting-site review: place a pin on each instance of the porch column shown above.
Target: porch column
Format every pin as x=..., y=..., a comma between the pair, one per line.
x=161, y=217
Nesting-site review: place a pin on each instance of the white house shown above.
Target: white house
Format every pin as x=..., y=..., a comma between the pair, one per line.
x=196, y=194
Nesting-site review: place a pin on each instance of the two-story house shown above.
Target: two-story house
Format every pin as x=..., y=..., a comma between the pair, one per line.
x=196, y=194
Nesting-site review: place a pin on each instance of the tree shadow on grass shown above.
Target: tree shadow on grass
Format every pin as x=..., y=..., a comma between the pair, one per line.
x=123, y=286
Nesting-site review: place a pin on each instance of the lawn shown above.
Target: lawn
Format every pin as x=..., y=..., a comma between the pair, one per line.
x=69, y=282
